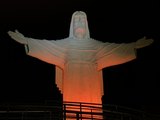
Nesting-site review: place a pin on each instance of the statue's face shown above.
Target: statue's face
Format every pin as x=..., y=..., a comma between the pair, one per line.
x=79, y=24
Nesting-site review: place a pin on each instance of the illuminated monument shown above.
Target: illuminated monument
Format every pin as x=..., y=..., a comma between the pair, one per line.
x=79, y=59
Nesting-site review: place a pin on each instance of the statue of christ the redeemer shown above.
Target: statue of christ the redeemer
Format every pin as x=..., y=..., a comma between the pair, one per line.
x=79, y=59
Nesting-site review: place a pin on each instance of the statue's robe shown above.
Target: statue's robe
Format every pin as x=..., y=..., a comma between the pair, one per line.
x=79, y=64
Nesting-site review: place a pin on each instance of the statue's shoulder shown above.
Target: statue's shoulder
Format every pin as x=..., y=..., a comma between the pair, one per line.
x=59, y=40
x=96, y=41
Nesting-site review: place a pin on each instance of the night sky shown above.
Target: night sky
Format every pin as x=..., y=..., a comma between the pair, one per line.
x=28, y=80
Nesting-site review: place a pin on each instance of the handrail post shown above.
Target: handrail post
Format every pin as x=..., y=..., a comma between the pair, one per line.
x=64, y=111
x=81, y=110
x=91, y=115
x=77, y=116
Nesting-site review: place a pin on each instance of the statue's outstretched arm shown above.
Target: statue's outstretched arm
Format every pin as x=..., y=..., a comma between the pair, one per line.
x=17, y=36
x=143, y=42
x=114, y=54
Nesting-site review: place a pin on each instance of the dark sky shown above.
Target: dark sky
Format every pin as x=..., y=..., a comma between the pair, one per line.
x=26, y=79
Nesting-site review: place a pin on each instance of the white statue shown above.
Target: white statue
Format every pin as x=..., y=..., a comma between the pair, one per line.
x=79, y=59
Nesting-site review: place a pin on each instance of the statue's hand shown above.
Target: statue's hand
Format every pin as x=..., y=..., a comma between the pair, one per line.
x=17, y=36
x=143, y=42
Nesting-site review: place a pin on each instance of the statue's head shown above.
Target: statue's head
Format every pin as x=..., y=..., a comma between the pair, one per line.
x=79, y=26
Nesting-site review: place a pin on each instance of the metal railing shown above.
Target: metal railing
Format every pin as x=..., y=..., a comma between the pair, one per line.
x=80, y=111
x=72, y=111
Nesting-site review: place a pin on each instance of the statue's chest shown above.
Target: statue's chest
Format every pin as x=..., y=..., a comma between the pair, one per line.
x=83, y=55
